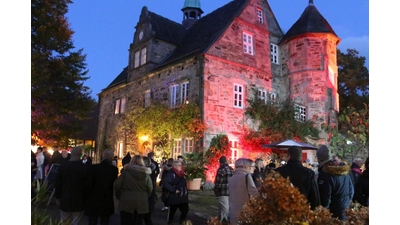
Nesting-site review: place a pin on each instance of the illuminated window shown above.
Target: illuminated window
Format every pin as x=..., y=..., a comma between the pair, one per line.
x=119, y=106
x=300, y=113
x=274, y=53
x=177, y=148
x=179, y=94
x=260, y=16
x=188, y=145
x=146, y=99
x=247, y=43
x=137, y=58
x=235, y=150
x=143, y=56
x=263, y=95
x=238, y=95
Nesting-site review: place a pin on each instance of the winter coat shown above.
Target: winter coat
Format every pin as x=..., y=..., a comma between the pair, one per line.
x=39, y=164
x=133, y=189
x=259, y=173
x=335, y=188
x=355, y=173
x=164, y=172
x=239, y=193
x=361, y=190
x=303, y=179
x=173, y=182
x=100, y=184
x=224, y=172
x=70, y=186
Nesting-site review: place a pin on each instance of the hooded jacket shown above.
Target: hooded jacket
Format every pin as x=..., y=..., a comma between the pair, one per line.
x=335, y=187
x=133, y=189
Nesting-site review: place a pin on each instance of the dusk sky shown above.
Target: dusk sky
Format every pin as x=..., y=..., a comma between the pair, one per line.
x=105, y=29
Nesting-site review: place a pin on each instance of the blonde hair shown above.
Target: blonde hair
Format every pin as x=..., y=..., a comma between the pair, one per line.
x=137, y=160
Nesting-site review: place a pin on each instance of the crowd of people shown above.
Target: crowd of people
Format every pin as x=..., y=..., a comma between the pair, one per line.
x=84, y=188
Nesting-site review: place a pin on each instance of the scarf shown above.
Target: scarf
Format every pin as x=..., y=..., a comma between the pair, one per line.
x=179, y=173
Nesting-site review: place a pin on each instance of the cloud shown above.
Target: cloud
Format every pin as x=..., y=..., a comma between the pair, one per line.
x=361, y=44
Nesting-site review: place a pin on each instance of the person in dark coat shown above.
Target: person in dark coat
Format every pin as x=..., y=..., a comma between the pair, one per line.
x=164, y=171
x=100, y=184
x=127, y=158
x=361, y=190
x=70, y=187
x=175, y=184
x=301, y=177
x=86, y=160
x=259, y=172
x=335, y=187
x=153, y=196
x=356, y=170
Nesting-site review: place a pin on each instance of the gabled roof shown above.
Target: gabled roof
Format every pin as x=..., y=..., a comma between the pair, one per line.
x=206, y=31
x=310, y=21
x=165, y=29
x=120, y=79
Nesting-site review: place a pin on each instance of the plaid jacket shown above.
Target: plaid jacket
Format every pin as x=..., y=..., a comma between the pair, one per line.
x=221, y=180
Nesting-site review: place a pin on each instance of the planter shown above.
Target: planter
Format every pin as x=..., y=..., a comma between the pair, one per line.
x=194, y=185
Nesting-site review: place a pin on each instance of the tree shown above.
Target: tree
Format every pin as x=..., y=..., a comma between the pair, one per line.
x=276, y=121
x=351, y=137
x=353, y=79
x=59, y=99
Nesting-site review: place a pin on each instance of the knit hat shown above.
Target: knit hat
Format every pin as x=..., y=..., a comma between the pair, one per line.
x=222, y=159
x=324, y=154
x=76, y=153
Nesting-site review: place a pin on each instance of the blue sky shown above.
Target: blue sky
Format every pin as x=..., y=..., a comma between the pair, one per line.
x=104, y=28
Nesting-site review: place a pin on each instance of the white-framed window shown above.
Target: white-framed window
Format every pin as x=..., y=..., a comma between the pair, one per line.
x=146, y=99
x=263, y=95
x=260, y=17
x=248, y=43
x=179, y=93
x=177, y=148
x=238, y=94
x=137, y=58
x=184, y=92
x=143, y=56
x=119, y=106
x=274, y=53
x=188, y=145
x=272, y=97
x=299, y=113
x=235, y=150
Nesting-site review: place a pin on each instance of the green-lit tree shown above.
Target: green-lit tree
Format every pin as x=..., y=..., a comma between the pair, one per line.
x=59, y=99
x=353, y=79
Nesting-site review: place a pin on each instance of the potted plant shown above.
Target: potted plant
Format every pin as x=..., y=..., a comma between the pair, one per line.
x=195, y=170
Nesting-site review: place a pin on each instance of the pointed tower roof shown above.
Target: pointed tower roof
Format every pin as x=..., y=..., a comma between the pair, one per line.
x=195, y=4
x=310, y=21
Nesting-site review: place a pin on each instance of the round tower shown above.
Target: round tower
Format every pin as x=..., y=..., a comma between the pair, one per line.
x=309, y=61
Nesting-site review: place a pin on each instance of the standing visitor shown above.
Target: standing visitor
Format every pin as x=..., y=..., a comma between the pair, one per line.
x=175, y=184
x=301, y=177
x=164, y=171
x=133, y=188
x=241, y=187
x=86, y=160
x=361, y=190
x=153, y=196
x=259, y=172
x=335, y=187
x=47, y=158
x=356, y=170
x=100, y=184
x=39, y=164
x=221, y=189
x=70, y=188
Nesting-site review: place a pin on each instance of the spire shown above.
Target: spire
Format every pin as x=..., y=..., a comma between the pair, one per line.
x=311, y=2
x=191, y=12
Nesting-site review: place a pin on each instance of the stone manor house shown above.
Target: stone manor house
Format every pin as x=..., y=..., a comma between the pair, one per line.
x=216, y=60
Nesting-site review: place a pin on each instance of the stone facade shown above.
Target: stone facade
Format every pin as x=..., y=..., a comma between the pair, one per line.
x=220, y=75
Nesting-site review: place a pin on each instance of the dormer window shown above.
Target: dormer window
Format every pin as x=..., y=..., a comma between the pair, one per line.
x=260, y=16
x=140, y=57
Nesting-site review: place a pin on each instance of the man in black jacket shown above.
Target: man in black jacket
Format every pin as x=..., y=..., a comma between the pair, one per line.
x=301, y=177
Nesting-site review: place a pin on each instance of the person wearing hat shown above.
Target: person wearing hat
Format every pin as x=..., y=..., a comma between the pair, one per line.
x=221, y=189
x=70, y=188
x=335, y=187
x=301, y=177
